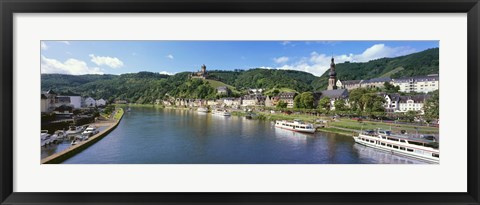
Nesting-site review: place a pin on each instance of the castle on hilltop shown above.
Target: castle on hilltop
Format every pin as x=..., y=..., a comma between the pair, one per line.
x=202, y=74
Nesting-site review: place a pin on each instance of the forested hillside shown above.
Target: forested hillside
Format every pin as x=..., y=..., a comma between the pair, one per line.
x=146, y=87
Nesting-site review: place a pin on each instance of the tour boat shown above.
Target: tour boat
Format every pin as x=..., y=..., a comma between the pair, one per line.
x=74, y=130
x=221, y=113
x=202, y=110
x=296, y=125
x=415, y=147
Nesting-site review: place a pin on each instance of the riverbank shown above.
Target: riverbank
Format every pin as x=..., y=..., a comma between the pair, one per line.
x=342, y=126
x=75, y=149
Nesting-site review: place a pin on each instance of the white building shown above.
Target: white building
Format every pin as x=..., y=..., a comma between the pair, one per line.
x=253, y=100
x=420, y=84
x=89, y=102
x=412, y=103
x=100, y=102
x=76, y=101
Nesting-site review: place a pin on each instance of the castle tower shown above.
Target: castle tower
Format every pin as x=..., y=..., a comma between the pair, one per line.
x=204, y=69
x=333, y=77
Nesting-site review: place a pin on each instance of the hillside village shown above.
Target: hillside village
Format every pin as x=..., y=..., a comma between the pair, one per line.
x=337, y=89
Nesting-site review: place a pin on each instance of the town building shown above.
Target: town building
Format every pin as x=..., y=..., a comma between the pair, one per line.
x=392, y=102
x=121, y=102
x=375, y=82
x=76, y=101
x=90, y=102
x=269, y=101
x=100, y=103
x=202, y=74
x=223, y=90
x=253, y=100
x=44, y=103
x=419, y=84
x=333, y=95
x=62, y=101
x=287, y=97
x=349, y=84
x=412, y=103
x=333, y=77
x=232, y=102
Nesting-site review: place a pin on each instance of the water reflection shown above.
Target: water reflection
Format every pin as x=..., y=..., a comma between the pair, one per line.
x=166, y=136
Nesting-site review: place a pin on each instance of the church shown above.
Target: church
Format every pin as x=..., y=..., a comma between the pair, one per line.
x=202, y=74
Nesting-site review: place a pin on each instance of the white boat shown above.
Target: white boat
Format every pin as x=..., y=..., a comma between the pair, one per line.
x=202, y=110
x=74, y=130
x=44, y=138
x=296, y=125
x=415, y=147
x=89, y=132
x=221, y=113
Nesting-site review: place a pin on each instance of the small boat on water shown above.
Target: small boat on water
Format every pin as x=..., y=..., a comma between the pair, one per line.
x=74, y=130
x=221, y=113
x=250, y=116
x=129, y=109
x=202, y=110
x=423, y=147
x=296, y=125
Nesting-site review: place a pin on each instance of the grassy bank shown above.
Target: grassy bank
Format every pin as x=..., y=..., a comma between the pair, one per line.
x=138, y=105
x=368, y=125
x=118, y=114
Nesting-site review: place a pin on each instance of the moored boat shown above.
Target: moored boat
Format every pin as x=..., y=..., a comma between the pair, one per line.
x=202, y=110
x=416, y=147
x=89, y=132
x=296, y=125
x=74, y=130
x=221, y=113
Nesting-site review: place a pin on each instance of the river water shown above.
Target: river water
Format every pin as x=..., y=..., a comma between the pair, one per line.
x=166, y=136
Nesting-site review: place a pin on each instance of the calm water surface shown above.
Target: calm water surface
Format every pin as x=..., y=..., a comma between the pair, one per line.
x=164, y=136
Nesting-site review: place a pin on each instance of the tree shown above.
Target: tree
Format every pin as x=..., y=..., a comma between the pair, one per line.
x=282, y=104
x=410, y=115
x=324, y=104
x=431, y=107
x=340, y=105
x=389, y=88
x=307, y=100
x=297, y=102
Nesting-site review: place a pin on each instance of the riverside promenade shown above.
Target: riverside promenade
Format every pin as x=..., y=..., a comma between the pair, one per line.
x=110, y=124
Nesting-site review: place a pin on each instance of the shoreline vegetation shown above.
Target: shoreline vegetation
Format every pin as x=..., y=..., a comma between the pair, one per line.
x=325, y=123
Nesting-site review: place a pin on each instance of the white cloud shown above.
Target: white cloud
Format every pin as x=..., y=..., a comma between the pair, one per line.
x=281, y=60
x=70, y=66
x=285, y=43
x=65, y=42
x=43, y=45
x=318, y=63
x=111, y=62
x=170, y=56
x=167, y=73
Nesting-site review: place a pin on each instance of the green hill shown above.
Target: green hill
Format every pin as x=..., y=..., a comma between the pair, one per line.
x=421, y=63
x=146, y=87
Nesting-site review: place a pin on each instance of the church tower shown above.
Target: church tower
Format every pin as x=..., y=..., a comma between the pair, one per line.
x=332, y=81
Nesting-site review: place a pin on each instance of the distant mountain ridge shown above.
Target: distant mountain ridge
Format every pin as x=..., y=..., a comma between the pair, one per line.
x=146, y=87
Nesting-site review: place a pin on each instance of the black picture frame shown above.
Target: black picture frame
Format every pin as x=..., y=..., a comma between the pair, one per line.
x=10, y=7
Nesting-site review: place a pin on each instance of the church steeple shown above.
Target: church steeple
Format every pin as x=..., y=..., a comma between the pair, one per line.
x=332, y=81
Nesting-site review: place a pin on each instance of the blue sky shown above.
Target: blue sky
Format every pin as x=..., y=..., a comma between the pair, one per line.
x=170, y=57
